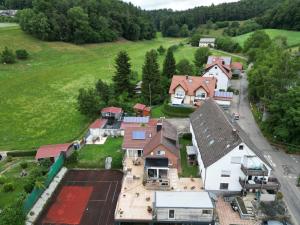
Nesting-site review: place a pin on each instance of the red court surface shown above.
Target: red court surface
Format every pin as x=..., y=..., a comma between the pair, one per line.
x=84, y=197
x=69, y=206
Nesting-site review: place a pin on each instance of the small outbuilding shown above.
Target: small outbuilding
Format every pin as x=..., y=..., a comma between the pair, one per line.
x=112, y=113
x=52, y=152
x=207, y=42
x=174, y=207
x=141, y=109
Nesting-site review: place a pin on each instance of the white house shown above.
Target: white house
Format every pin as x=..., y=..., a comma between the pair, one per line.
x=221, y=72
x=190, y=89
x=95, y=133
x=228, y=160
x=207, y=42
x=183, y=207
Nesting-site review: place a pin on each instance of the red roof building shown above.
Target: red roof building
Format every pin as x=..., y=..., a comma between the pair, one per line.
x=52, y=151
x=98, y=124
x=112, y=109
x=141, y=109
x=191, y=84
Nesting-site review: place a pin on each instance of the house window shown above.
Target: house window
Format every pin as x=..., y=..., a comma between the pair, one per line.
x=216, y=67
x=224, y=186
x=171, y=214
x=206, y=211
x=160, y=152
x=241, y=147
x=225, y=173
x=236, y=160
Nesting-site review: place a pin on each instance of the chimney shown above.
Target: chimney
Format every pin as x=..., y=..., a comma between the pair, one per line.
x=159, y=125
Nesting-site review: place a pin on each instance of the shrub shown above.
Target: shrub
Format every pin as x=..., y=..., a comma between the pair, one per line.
x=8, y=187
x=21, y=153
x=2, y=180
x=24, y=165
x=7, y=56
x=279, y=195
x=161, y=50
x=173, y=48
x=45, y=163
x=29, y=185
x=22, y=54
x=187, y=136
x=173, y=111
x=8, y=158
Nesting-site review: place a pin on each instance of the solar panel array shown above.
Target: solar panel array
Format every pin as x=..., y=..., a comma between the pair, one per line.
x=136, y=119
x=222, y=94
x=138, y=135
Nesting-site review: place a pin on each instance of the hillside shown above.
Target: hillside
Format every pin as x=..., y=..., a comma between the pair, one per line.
x=293, y=37
x=39, y=95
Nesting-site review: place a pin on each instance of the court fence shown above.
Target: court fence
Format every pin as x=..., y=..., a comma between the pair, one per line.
x=37, y=192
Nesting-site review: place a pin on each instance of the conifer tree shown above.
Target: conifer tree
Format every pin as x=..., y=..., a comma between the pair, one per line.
x=151, y=86
x=121, y=78
x=169, y=68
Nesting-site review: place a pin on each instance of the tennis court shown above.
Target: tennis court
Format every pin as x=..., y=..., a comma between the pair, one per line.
x=84, y=197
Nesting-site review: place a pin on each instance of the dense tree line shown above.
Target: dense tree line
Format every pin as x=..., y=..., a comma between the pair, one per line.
x=170, y=22
x=274, y=85
x=15, y=4
x=285, y=16
x=85, y=21
x=246, y=27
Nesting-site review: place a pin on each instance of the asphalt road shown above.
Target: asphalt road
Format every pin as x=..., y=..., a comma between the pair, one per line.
x=285, y=167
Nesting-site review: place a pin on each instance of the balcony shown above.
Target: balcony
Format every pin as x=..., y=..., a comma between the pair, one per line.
x=271, y=184
x=255, y=172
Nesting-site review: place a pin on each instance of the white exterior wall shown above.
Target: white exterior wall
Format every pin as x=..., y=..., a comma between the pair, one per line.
x=201, y=91
x=183, y=214
x=211, y=176
x=205, y=44
x=222, y=80
x=133, y=152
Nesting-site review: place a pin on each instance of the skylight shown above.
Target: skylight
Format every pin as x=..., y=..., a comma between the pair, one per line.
x=138, y=135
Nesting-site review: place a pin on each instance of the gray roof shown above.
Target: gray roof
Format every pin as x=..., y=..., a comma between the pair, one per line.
x=174, y=199
x=216, y=135
x=226, y=59
x=207, y=40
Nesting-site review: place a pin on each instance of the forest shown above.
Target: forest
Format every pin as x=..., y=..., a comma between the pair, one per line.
x=170, y=22
x=89, y=21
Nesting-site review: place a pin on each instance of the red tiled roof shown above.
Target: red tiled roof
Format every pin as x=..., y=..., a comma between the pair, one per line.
x=237, y=66
x=224, y=68
x=139, y=106
x=128, y=142
x=112, y=110
x=49, y=151
x=191, y=84
x=98, y=123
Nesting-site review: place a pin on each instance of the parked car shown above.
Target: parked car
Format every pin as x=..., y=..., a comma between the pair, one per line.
x=235, y=116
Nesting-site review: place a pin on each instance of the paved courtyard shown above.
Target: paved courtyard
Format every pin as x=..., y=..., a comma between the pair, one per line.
x=227, y=216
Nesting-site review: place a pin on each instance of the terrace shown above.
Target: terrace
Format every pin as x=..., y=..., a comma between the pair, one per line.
x=270, y=184
x=135, y=201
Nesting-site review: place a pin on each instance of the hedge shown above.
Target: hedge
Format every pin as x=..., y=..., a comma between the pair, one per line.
x=21, y=153
x=173, y=111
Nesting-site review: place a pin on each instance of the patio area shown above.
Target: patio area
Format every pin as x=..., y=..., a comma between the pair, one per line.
x=227, y=216
x=135, y=201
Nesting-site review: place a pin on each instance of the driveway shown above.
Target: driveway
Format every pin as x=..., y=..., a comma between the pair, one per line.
x=286, y=167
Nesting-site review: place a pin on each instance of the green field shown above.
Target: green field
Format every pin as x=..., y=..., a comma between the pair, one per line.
x=293, y=37
x=38, y=96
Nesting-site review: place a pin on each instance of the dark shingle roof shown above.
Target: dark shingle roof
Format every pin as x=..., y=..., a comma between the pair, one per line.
x=216, y=135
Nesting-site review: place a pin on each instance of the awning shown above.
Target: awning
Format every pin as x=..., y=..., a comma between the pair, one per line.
x=177, y=101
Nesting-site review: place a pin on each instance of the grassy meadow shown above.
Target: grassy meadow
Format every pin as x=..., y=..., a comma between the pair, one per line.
x=38, y=96
x=293, y=37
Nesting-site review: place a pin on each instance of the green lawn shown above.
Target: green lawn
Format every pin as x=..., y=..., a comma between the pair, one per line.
x=293, y=37
x=187, y=170
x=93, y=156
x=38, y=96
x=13, y=176
x=8, y=25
